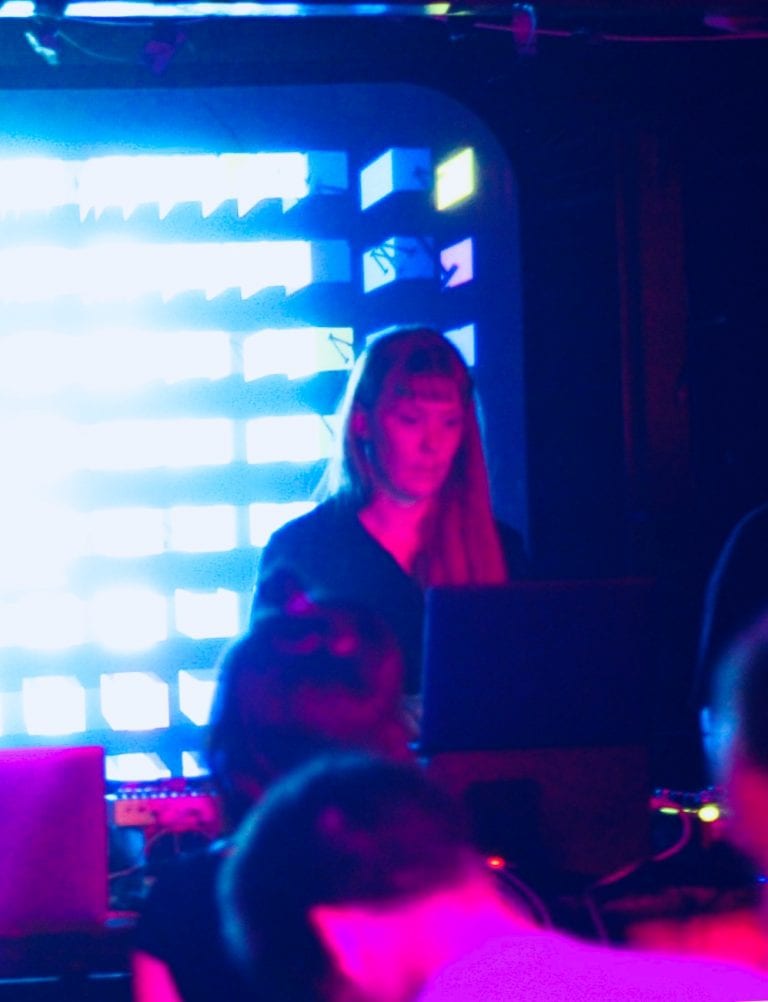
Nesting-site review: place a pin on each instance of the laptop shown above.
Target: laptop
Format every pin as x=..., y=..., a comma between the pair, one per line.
x=536, y=709
x=53, y=840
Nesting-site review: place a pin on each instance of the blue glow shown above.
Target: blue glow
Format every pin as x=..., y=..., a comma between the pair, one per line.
x=143, y=9
x=134, y=701
x=297, y=352
x=265, y=518
x=53, y=705
x=397, y=258
x=128, y=619
x=295, y=438
x=196, y=692
x=124, y=271
x=135, y=767
x=327, y=172
x=456, y=263
x=204, y=615
x=203, y=529
x=398, y=169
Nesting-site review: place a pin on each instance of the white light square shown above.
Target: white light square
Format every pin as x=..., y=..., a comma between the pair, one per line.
x=196, y=691
x=207, y=615
x=53, y=705
x=134, y=701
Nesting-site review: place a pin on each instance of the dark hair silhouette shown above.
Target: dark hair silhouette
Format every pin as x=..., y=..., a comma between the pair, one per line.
x=307, y=678
x=344, y=829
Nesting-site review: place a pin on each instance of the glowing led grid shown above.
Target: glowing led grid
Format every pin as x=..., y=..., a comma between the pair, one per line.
x=135, y=767
x=134, y=701
x=126, y=618
x=122, y=271
x=206, y=614
x=128, y=182
x=397, y=169
x=203, y=529
x=297, y=352
x=456, y=264
x=397, y=258
x=196, y=691
x=295, y=438
x=53, y=705
x=455, y=179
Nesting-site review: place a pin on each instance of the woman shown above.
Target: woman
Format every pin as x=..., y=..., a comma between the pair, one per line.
x=408, y=503
x=309, y=678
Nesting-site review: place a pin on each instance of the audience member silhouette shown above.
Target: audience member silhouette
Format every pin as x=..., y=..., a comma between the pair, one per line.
x=308, y=677
x=354, y=880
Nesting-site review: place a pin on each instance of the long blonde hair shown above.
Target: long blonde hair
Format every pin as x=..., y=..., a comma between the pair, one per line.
x=460, y=542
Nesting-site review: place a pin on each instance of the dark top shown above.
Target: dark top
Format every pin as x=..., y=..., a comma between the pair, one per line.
x=334, y=556
x=179, y=925
x=737, y=592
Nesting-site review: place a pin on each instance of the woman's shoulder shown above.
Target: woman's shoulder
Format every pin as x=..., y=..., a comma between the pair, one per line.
x=333, y=514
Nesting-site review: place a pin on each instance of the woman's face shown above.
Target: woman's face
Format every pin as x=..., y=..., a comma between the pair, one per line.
x=414, y=435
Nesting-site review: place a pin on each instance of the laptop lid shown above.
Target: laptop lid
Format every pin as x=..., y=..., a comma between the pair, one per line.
x=537, y=664
x=536, y=713
x=53, y=840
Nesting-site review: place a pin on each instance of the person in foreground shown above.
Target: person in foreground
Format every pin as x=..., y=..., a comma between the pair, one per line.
x=408, y=502
x=309, y=677
x=737, y=740
x=354, y=880
x=736, y=593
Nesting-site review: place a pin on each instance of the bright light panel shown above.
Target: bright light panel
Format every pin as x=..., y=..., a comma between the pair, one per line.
x=295, y=438
x=135, y=767
x=397, y=258
x=464, y=339
x=297, y=352
x=44, y=621
x=124, y=532
x=456, y=264
x=128, y=619
x=53, y=705
x=163, y=181
x=134, y=701
x=198, y=529
x=192, y=765
x=38, y=363
x=206, y=614
x=144, y=445
x=124, y=271
x=196, y=691
x=397, y=169
x=455, y=179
